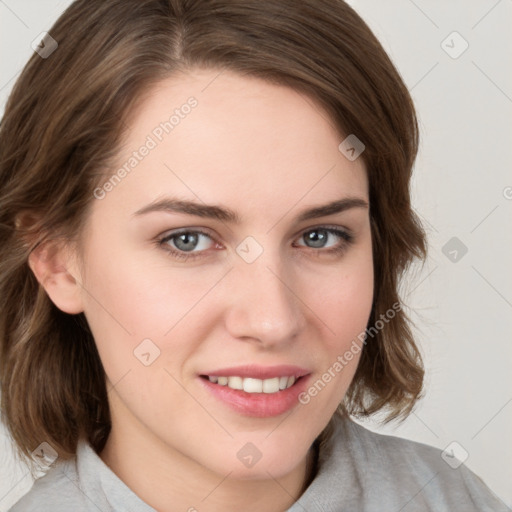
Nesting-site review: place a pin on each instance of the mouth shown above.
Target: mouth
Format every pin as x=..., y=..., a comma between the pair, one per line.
x=257, y=391
x=254, y=385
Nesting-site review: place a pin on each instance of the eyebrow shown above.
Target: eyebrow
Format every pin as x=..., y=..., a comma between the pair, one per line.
x=173, y=205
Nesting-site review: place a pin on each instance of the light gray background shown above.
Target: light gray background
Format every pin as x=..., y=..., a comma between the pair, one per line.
x=462, y=188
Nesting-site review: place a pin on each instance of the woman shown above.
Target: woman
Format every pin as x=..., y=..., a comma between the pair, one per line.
x=277, y=140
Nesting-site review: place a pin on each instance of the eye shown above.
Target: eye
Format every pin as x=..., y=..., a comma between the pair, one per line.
x=194, y=243
x=317, y=238
x=184, y=243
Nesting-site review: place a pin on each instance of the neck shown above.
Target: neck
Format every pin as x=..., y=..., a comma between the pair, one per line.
x=168, y=480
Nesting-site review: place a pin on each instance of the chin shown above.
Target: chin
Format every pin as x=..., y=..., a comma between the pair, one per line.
x=278, y=465
x=258, y=455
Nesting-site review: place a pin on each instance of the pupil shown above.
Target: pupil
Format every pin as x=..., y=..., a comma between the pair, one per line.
x=317, y=238
x=186, y=237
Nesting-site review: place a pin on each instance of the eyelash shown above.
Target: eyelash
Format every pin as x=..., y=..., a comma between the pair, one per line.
x=346, y=237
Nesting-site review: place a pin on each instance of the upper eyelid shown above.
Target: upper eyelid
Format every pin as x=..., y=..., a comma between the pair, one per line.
x=204, y=231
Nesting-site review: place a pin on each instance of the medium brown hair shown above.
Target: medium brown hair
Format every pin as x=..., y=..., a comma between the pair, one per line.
x=61, y=129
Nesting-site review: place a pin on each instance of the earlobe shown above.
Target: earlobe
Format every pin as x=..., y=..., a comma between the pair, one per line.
x=52, y=266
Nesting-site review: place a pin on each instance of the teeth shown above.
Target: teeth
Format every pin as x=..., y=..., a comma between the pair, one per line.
x=235, y=382
x=250, y=385
x=271, y=385
x=253, y=385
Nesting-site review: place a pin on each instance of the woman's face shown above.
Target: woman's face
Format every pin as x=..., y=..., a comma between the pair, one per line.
x=275, y=294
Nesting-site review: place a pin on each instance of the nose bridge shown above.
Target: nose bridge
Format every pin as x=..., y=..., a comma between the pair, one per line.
x=263, y=305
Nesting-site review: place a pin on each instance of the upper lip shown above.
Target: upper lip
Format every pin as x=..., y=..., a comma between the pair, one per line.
x=260, y=372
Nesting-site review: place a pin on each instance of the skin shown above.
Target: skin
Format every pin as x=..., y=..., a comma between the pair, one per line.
x=267, y=152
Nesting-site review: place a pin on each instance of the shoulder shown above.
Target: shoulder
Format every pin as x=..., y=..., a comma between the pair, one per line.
x=84, y=483
x=71, y=484
x=57, y=491
x=409, y=470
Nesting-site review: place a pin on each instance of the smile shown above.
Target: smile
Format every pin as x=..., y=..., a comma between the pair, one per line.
x=257, y=391
x=252, y=385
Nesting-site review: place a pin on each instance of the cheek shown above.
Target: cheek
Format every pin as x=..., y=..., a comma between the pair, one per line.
x=343, y=303
x=343, y=298
x=131, y=299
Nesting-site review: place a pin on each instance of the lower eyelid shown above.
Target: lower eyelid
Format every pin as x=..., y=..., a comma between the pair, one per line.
x=345, y=237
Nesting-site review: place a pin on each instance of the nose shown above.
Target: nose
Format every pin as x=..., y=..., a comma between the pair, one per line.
x=264, y=305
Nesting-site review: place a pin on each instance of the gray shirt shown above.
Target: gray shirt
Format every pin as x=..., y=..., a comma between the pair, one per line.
x=359, y=470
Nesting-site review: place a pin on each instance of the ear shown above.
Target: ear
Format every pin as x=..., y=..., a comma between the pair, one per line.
x=52, y=263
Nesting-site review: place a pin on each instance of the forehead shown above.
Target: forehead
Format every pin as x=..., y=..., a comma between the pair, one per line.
x=225, y=138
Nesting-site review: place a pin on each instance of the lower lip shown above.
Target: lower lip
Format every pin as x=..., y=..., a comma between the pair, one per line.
x=258, y=405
